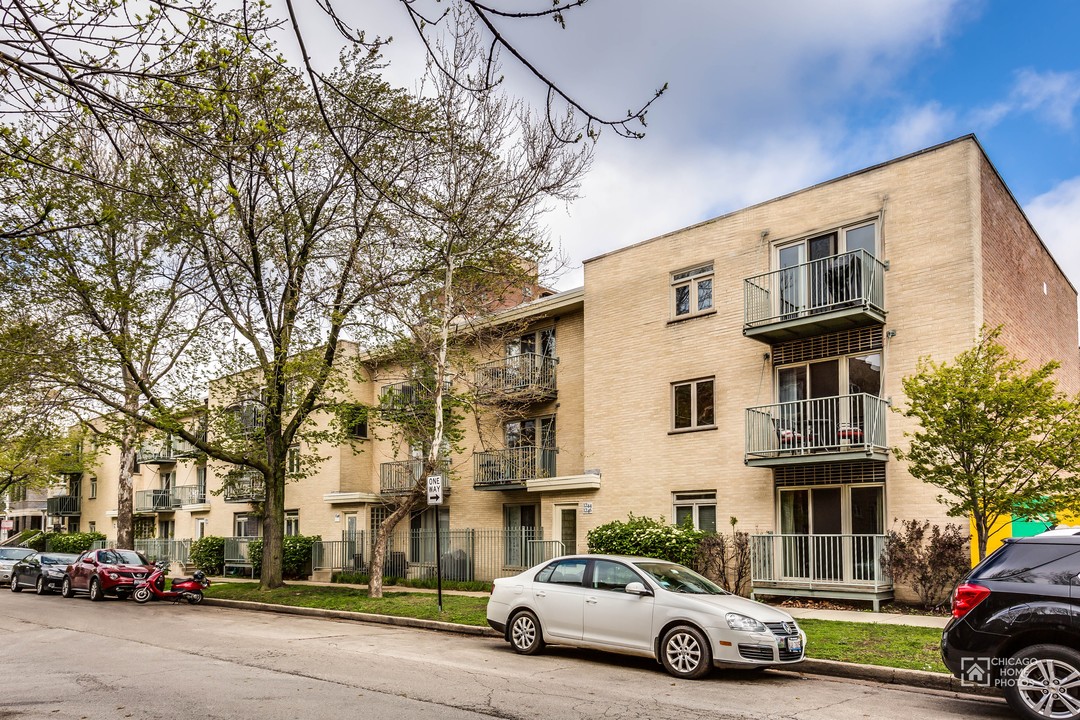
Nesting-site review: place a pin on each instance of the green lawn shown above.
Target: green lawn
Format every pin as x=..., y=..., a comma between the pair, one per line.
x=898, y=646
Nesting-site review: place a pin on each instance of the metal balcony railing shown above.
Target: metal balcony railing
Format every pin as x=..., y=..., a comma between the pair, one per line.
x=401, y=476
x=154, y=501
x=188, y=495
x=527, y=373
x=29, y=506
x=512, y=467
x=166, y=450
x=408, y=396
x=247, y=487
x=850, y=280
x=63, y=505
x=842, y=424
x=819, y=560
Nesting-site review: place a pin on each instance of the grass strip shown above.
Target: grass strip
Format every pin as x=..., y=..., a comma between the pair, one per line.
x=899, y=646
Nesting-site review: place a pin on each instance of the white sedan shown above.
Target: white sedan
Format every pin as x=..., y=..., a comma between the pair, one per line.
x=641, y=606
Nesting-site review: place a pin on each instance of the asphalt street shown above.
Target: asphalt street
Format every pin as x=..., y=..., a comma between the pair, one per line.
x=80, y=660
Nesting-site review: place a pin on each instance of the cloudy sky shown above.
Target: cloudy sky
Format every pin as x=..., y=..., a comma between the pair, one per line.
x=767, y=97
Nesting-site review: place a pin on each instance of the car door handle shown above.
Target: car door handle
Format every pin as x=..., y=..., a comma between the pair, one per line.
x=541, y=594
x=591, y=600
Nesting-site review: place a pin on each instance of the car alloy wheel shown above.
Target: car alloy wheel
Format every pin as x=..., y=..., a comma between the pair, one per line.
x=65, y=588
x=15, y=584
x=685, y=653
x=95, y=590
x=525, y=635
x=39, y=586
x=1047, y=683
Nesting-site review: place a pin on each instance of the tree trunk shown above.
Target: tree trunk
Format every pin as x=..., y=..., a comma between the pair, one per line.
x=273, y=527
x=125, y=508
x=378, y=549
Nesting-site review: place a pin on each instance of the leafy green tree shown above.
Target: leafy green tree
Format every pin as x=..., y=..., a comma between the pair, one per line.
x=998, y=439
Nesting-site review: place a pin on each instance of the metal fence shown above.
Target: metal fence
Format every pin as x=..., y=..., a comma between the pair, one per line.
x=819, y=560
x=467, y=553
x=177, y=551
x=238, y=555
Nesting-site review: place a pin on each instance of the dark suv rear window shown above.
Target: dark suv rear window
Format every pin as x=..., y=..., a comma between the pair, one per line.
x=1031, y=563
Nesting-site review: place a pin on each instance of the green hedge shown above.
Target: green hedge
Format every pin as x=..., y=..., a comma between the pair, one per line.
x=65, y=542
x=208, y=554
x=647, y=537
x=296, y=560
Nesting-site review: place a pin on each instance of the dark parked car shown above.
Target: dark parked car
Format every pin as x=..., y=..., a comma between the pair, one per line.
x=44, y=572
x=105, y=572
x=1016, y=625
x=8, y=557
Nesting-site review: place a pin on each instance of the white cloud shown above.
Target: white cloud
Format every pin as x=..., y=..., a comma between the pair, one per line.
x=1050, y=96
x=1056, y=216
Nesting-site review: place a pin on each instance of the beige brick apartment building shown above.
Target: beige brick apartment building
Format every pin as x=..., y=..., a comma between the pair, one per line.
x=743, y=367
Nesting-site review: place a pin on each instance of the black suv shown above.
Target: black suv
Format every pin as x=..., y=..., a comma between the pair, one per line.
x=1016, y=625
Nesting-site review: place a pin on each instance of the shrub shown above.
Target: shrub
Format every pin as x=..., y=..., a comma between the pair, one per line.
x=928, y=558
x=64, y=542
x=296, y=556
x=726, y=560
x=648, y=537
x=208, y=554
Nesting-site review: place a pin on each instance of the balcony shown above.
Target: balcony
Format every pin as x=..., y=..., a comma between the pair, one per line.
x=847, y=427
x=528, y=376
x=154, y=501
x=166, y=451
x=401, y=477
x=246, y=487
x=510, y=469
x=188, y=495
x=407, y=397
x=830, y=566
x=63, y=505
x=820, y=296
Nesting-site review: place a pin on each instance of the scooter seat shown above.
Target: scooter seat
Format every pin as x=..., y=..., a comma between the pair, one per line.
x=177, y=581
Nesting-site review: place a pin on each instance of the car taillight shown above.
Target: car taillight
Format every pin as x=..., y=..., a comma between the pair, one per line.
x=966, y=597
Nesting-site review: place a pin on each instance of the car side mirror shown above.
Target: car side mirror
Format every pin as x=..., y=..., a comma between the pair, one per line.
x=636, y=588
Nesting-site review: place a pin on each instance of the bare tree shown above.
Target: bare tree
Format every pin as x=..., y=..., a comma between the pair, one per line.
x=491, y=170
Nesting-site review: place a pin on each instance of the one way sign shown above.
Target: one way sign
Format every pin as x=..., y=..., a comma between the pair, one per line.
x=434, y=490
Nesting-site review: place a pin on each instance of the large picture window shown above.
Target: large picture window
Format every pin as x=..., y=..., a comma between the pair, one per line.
x=692, y=404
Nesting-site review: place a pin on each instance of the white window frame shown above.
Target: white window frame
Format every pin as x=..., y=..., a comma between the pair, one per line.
x=694, y=499
x=93, y=488
x=691, y=278
x=292, y=517
x=693, y=404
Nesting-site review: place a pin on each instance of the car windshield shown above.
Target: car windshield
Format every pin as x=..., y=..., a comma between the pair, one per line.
x=58, y=559
x=122, y=557
x=14, y=553
x=677, y=578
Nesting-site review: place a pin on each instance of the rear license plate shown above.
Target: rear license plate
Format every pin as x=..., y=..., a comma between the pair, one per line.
x=794, y=644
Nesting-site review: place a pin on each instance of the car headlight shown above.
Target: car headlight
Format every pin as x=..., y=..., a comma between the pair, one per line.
x=735, y=621
x=113, y=576
x=54, y=573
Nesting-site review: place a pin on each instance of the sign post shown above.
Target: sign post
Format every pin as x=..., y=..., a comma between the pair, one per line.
x=435, y=499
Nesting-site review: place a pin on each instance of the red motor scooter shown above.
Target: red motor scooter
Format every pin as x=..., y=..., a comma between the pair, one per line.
x=189, y=589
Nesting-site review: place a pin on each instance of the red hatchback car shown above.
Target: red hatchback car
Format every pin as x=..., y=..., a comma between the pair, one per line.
x=105, y=572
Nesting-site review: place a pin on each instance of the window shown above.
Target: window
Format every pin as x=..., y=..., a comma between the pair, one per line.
x=521, y=529
x=200, y=484
x=135, y=469
x=245, y=525
x=200, y=528
x=292, y=523
x=539, y=342
x=93, y=487
x=824, y=403
x=144, y=528
x=166, y=529
x=613, y=576
x=92, y=526
x=823, y=271
x=564, y=572
x=698, y=508
x=692, y=404
x=356, y=423
x=294, y=460
x=692, y=291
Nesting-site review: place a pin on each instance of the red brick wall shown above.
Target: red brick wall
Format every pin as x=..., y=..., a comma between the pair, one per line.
x=1038, y=324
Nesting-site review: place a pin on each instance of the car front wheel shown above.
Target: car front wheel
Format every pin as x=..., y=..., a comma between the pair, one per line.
x=65, y=588
x=1046, y=683
x=525, y=635
x=95, y=590
x=39, y=588
x=15, y=584
x=685, y=653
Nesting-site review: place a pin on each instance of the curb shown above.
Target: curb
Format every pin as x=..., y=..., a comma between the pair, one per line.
x=829, y=668
x=355, y=616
